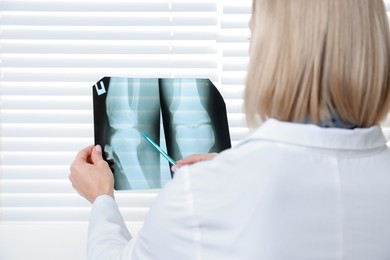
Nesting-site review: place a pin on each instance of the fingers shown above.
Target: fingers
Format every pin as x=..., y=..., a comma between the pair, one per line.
x=193, y=159
x=82, y=157
x=96, y=155
x=174, y=168
x=84, y=154
x=196, y=158
x=90, y=154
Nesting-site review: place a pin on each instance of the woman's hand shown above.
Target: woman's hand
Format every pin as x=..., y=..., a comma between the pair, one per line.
x=90, y=174
x=193, y=159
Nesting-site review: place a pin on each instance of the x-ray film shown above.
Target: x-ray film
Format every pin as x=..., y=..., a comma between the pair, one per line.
x=183, y=116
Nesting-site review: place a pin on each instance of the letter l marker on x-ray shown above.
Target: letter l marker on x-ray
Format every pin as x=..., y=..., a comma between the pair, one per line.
x=101, y=90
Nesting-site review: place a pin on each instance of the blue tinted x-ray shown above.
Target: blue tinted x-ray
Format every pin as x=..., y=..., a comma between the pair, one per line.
x=184, y=116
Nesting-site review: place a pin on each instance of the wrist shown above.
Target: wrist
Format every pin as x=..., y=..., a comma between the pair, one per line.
x=102, y=198
x=101, y=194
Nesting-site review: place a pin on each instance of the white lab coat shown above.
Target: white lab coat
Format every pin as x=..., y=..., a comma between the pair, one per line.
x=289, y=191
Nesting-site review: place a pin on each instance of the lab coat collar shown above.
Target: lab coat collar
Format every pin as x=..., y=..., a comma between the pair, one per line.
x=314, y=136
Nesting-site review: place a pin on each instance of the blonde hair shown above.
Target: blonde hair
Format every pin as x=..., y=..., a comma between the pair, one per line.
x=312, y=58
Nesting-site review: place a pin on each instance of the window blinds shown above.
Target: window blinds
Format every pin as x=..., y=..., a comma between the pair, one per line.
x=51, y=54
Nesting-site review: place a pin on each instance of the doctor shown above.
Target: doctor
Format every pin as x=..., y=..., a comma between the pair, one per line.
x=312, y=182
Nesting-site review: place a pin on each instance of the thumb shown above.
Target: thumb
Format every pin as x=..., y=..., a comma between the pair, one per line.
x=96, y=155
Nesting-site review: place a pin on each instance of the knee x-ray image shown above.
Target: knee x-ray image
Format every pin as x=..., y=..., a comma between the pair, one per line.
x=184, y=116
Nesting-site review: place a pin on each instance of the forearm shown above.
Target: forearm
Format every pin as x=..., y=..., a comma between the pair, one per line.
x=108, y=237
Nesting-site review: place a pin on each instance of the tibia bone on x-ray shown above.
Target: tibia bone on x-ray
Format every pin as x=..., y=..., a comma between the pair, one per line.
x=133, y=108
x=193, y=118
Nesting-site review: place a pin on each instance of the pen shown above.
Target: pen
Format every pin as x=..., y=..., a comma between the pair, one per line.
x=166, y=156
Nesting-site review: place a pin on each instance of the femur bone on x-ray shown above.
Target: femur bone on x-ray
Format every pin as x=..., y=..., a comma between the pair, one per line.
x=183, y=115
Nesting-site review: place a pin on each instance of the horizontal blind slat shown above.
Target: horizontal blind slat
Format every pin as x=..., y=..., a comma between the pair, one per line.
x=47, y=102
x=20, y=200
x=109, y=61
x=107, y=47
x=235, y=21
x=85, y=6
x=233, y=78
x=47, y=116
x=237, y=8
x=94, y=74
x=49, y=88
x=107, y=19
x=47, y=130
x=38, y=158
x=108, y=32
x=31, y=172
x=235, y=64
x=45, y=144
x=37, y=186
